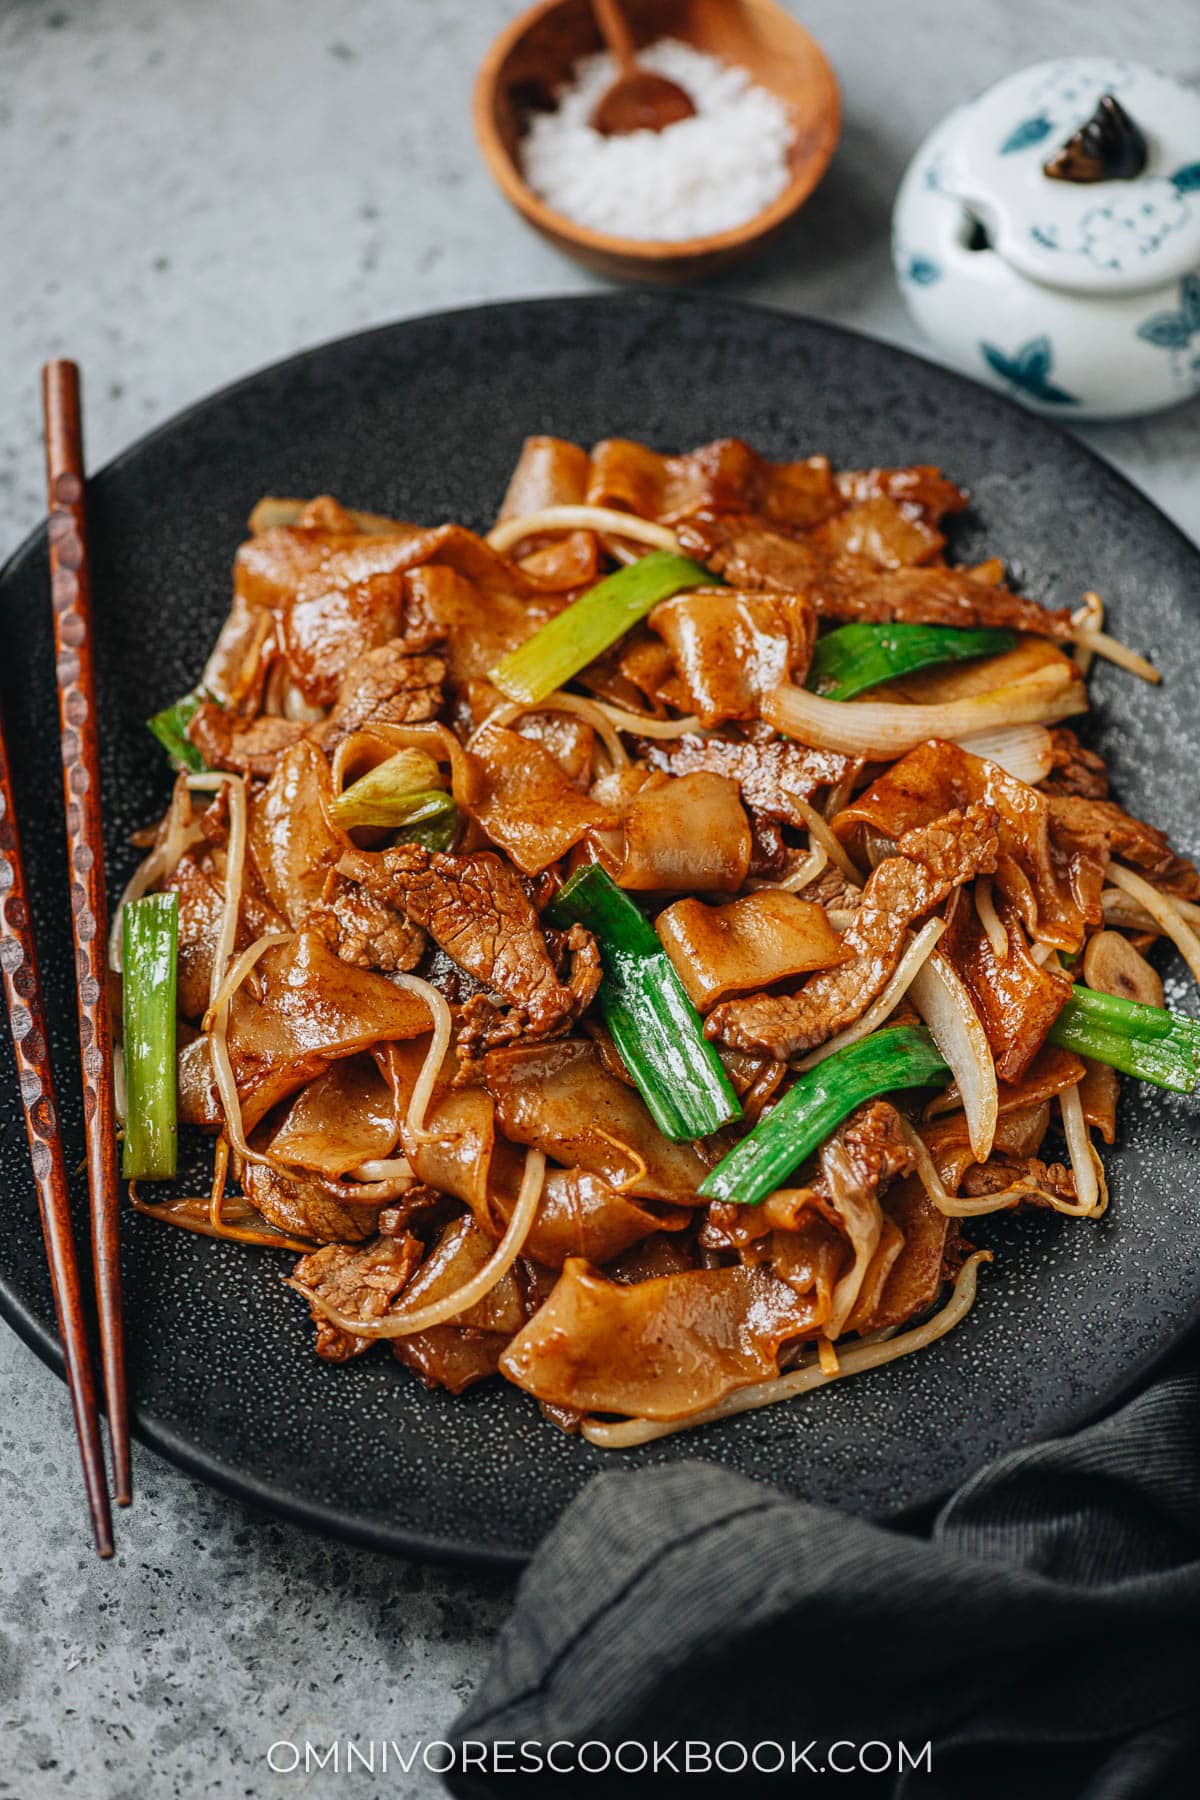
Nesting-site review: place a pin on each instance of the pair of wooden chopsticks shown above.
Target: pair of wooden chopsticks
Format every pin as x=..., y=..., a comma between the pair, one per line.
x=70, y=596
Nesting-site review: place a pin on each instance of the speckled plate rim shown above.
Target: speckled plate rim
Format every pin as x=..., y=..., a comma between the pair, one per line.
x=374, y=1531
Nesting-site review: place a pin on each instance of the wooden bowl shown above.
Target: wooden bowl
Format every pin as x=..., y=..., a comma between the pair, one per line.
x=534, y=57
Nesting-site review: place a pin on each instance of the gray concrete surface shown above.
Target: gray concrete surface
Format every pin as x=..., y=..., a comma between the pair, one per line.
x=189, y=190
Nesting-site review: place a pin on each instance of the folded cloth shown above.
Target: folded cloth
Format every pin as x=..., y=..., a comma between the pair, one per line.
x=1043, y=1638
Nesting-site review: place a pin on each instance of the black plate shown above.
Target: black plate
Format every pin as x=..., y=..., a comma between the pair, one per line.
x=425, y=419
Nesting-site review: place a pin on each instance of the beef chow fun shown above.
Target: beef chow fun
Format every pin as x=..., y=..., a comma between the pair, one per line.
x=623, y=952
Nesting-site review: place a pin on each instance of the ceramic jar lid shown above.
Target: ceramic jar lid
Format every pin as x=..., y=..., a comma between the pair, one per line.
x=1106, y=236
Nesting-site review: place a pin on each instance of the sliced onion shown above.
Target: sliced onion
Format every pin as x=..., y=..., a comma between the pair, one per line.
x=884, y=730
x=509, y=532
x=402, y=1324
x=1162, y=910
x=943, y=1002
x=906, y=972
x=990, y=919
x=805, y=872
x=852, y=1360
x=1025, y=751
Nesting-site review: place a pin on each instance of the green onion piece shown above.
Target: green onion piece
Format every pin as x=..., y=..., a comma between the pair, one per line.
x=170, y=728
x=855, y=657
x=436, y=827
x=575, y=637
x=1146, y=1041
x=902, y=1056
x=398, y=791
x=653, y=1024
x=151, y=935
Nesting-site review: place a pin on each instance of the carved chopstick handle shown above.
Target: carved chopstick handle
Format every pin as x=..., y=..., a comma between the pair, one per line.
x=71, y=602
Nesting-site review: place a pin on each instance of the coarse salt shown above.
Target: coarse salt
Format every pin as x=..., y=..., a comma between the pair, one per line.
x=701, y=175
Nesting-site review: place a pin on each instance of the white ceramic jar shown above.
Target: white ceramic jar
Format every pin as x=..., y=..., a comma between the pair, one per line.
x=1080, y=298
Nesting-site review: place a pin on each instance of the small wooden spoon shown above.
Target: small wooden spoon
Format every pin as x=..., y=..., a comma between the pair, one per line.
x=637, y=100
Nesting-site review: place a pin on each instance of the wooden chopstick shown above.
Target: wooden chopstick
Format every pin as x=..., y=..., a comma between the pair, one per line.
x=71, y=605
x=22, y=989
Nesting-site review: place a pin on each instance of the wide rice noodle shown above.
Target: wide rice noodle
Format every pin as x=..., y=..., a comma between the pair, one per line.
x=510, y=532
x=905, y=973
x=1162, y=910
x=853, y=1359
x=438, y=1312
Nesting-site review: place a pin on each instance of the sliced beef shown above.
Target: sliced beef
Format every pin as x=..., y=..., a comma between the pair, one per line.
x=475, y=907
x=393, y=684
x=724, y=476
x=1076, y=820
x=367, y=932
x=1001, y=1172
x=769, y=774
x=847, y=587
x=930, y=863
x=226, y=741
x=306, y=1209
x=363, y=1283
x=1074, y=769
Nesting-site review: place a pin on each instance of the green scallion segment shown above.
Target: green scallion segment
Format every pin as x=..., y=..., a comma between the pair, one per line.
x=856, y=657
x=151, y=936
x=1146, y=1041
x=400, y=794
x=575, y=637
x=170, y=728
x=901, y=1056
x=654, y=1025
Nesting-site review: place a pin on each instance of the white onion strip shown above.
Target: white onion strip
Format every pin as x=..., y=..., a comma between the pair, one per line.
x=946, y=1007
x=510, y=532
x=1025, y=751
x=1162, y=910
x=884, y=730
x=853, y=1359
x=437, y=1312
x=903, y=976
x=989, y=918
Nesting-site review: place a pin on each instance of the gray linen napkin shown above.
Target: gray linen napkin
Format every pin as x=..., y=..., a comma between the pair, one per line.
x=1043, y=1638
